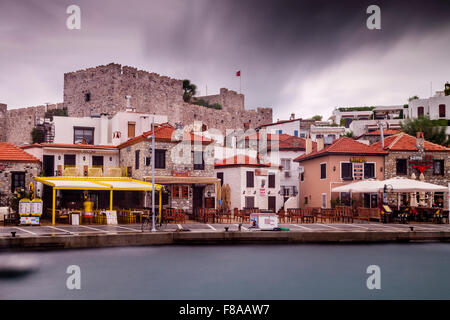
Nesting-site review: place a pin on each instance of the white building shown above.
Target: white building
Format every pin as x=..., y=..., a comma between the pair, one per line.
x=436, y=107
x=290, y=127
x=103, y=130
x=252, y=184
x=328, y=133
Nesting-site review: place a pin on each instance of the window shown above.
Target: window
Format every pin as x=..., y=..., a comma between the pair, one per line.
x=249, y=202
x=302, y=135
x=279, y=131
x=69, y=160
x=346, y=171
x=323, y=171
x=220, y=176
x=160, y=159
x=295, y=133
x=271, y=180
x=420, y=111
x=302, y=176
x=442, y=111
x=83, y=135
x=369, y=170
x=87, y=97
x=402, y=167
x=175, y=191
x=438, y=167
x=306, y=200
x=131, y=129
x=286, y=164
x=148, y=161
x=345, y=198
x=136, y=159
x=17, y=180
x=180, y=191
x=199, y=162
x=250, y=179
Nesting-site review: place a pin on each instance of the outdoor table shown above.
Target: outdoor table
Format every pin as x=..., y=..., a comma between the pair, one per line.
x=138, y=213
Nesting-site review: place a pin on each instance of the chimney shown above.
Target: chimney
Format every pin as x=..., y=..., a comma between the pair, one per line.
x=308, y=145
x=320, y=144
x=292, y=116
x=420, y=141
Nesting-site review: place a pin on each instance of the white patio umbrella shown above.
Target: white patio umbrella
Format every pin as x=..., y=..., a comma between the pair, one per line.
x=409, y=185
x=366, y=186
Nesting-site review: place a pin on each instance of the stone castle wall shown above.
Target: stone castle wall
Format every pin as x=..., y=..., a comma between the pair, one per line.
x=20, y=122
x=108, y=86
x=103, y=89
x=3, y=114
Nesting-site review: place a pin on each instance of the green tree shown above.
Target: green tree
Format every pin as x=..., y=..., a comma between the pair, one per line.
x=348, y=134
x=37, y=136
x=190, y=90
x=317, y=118
x=433, y=131
x=447, y=89
x=413, y=98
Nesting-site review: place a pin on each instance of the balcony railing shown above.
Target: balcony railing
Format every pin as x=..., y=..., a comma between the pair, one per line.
x=92, y=171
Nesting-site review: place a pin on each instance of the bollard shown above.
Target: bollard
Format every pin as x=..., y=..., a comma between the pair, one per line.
x=412, y=228
x=239, y=227
x=13, y=234
x=226, y=229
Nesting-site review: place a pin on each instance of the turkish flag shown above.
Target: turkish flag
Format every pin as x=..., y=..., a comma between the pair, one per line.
x=238, y=74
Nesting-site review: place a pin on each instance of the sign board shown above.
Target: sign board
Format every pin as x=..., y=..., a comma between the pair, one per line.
x=262, y=192
x=264, y=221
x=358, y=159
x=29, y=220
x=111, y=216
x=180, y=173
x=260, y=172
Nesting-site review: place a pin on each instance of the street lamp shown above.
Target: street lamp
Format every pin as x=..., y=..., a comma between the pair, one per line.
x=153, y=174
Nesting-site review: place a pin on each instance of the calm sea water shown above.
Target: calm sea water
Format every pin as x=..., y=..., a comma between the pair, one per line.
x=408, y=271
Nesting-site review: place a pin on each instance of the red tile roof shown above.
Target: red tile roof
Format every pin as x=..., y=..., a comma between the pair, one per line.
x=405, y=142
x=12, y=153
x=240, y=161
x=344, y=145
x=278, y=122
x=385, y=132
x=165, y=132
x=285, y=141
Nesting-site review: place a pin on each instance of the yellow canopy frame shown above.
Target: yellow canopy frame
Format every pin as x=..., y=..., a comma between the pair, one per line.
x=102, y=184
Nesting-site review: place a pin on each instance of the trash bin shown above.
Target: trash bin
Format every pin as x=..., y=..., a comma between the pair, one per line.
x=75, y=219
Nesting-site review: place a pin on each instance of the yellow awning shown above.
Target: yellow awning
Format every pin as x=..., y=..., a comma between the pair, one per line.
x=100, y=183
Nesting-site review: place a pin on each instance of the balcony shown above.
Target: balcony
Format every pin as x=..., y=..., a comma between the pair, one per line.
x=92, y=171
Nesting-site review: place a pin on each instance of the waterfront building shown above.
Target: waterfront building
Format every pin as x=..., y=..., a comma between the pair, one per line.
x=340, y=163
x=436, y=107
x=17, y=168
x=184, y=164
x=410, y=156
x=291, y=127
x=253, y=183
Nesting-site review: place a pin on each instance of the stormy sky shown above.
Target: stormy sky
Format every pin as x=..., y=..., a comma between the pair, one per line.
x=302, y=57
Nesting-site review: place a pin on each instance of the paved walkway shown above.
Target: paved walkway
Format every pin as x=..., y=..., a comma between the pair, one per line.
x=36, y=231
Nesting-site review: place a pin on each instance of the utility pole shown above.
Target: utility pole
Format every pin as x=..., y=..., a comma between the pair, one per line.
x=153, y=175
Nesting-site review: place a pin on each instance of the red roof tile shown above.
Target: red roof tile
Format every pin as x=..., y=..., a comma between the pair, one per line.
x=165, y=132
x=405, y=142
x=285, y=141
x=10, y=152
x=344, y=145
x=67, y=145
x=240, y=160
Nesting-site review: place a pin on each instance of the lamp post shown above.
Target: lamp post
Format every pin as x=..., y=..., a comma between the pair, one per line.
x=153, y=175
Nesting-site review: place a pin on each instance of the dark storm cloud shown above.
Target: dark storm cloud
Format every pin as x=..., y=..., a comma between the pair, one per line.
x=288, y=51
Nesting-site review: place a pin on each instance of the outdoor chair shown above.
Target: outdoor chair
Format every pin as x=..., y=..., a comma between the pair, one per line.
x=308, y=215
x=363, y=214
x=281, y=216
x=224, y=215
x=11, y=219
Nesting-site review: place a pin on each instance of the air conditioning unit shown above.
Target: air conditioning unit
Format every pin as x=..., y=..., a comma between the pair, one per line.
x=287, y=174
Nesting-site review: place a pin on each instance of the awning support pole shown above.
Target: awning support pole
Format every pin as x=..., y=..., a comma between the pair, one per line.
x=53, y=206
x=160, y=204
x=111, y=199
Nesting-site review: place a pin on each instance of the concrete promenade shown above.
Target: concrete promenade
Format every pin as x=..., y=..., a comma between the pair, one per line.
x=96, y=236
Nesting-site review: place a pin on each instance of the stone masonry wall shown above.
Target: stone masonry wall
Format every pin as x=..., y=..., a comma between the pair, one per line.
x=390, y=166
x=30, y=169
x=20, y=122
x=151, y=93
x=3, y=129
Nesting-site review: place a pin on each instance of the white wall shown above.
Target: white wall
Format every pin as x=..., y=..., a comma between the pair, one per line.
x=431, y=107
x=287, y=127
